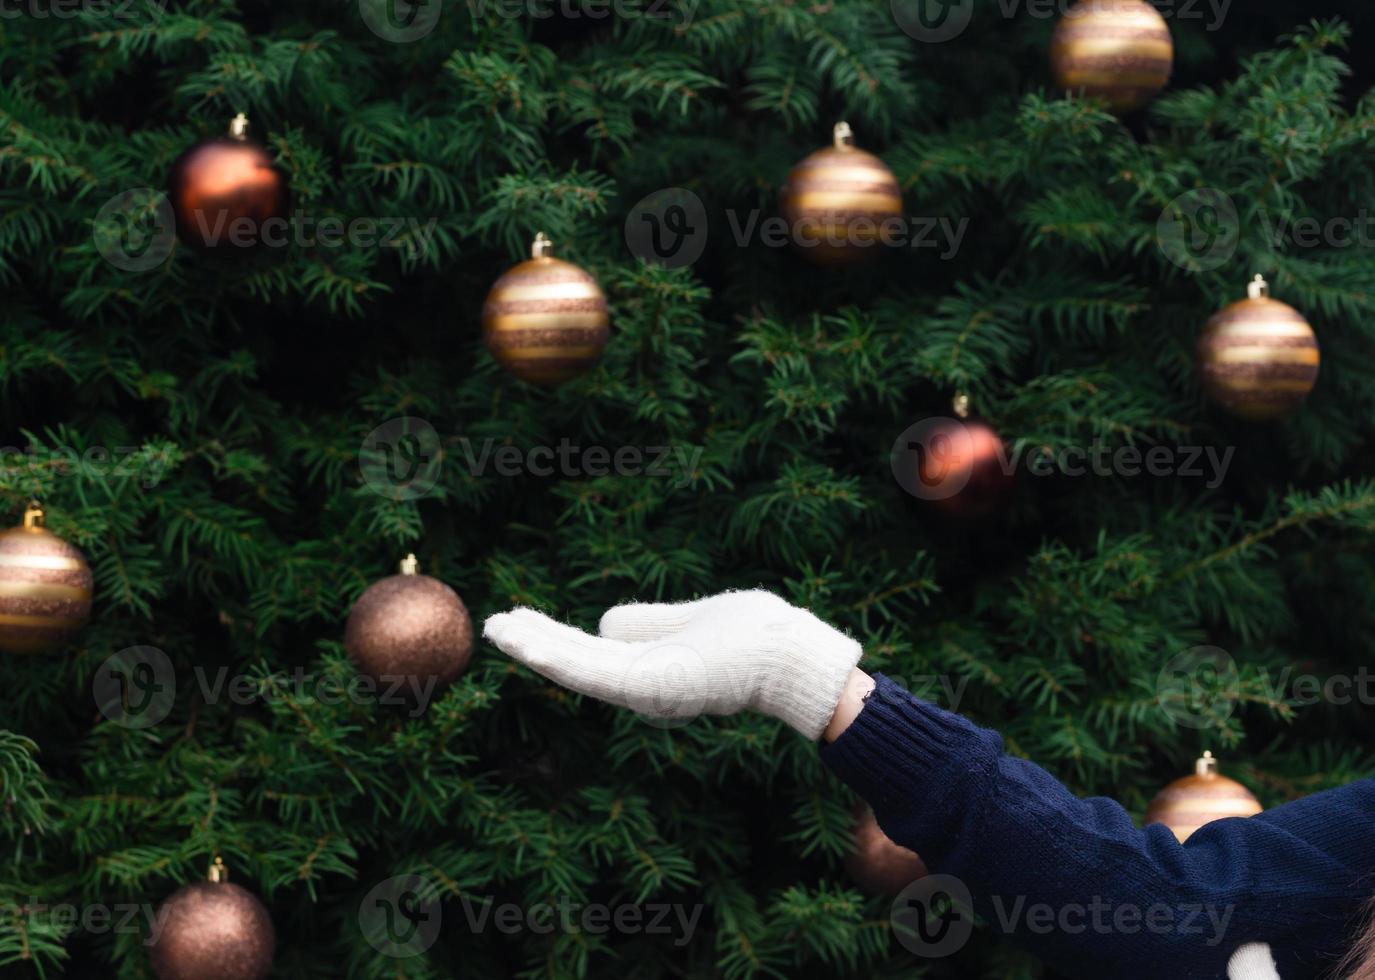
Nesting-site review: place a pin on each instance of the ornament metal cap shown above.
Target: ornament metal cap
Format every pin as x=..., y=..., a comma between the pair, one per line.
x=1258, y=288
x=1206, y=767
x=238, y=127
x=410, y=565
x=843, y=135
x=33, y=515
x=541, y=246
x=218, y=872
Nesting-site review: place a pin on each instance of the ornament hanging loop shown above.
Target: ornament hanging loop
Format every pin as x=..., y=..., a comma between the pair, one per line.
x=843, y=135
x=960, y=406
x=218, y=872
x=238, y=127
x=541, y=247
x=1206, y=766
x=410, y=565
x=33, y=515
x=1258, y=288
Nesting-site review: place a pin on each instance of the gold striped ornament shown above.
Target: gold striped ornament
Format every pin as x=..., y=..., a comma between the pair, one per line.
x=45, y=587
x=1116, y=50
x=1258, y=358
x=1194, y=801
x=546, y=320
x=841, y=203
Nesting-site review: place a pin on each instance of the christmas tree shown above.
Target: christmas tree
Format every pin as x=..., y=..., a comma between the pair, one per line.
x=242, y=440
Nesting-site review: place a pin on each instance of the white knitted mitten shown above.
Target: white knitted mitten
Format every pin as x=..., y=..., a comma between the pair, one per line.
x=1253, y=962
x=672, y=662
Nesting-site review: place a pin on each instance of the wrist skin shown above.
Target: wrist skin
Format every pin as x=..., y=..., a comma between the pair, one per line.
x=857, y=688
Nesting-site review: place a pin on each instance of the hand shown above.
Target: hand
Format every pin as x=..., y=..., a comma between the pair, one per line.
x=675, y=661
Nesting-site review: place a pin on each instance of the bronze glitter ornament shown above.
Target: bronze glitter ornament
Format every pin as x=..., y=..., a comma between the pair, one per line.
x=410, y=630
x=45, y=587
x=1116, y=50
x=546, y=320
x=212, y=930
x=224, y=191
x=1258, y=358
x=878, y=864
x=1189, y=803
x=841, y=204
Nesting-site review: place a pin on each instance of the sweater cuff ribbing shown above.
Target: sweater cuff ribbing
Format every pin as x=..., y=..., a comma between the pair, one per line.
x=900, y=749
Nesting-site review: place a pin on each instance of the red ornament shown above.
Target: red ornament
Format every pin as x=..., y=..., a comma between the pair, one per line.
x=961, y=465
x=225, y=190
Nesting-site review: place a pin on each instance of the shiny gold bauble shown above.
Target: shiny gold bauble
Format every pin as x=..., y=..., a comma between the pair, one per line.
x=212, y=930
x=841, y=203
x=1189, y=803
x=878, y=864
x=410, y=630
x=1116, y=50
x=1258, y=358
x=45, y=587
x=224, y=190
x=546, y=320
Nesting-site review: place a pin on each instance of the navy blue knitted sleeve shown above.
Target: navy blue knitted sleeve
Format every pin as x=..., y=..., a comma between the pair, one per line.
x=1078, y=883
